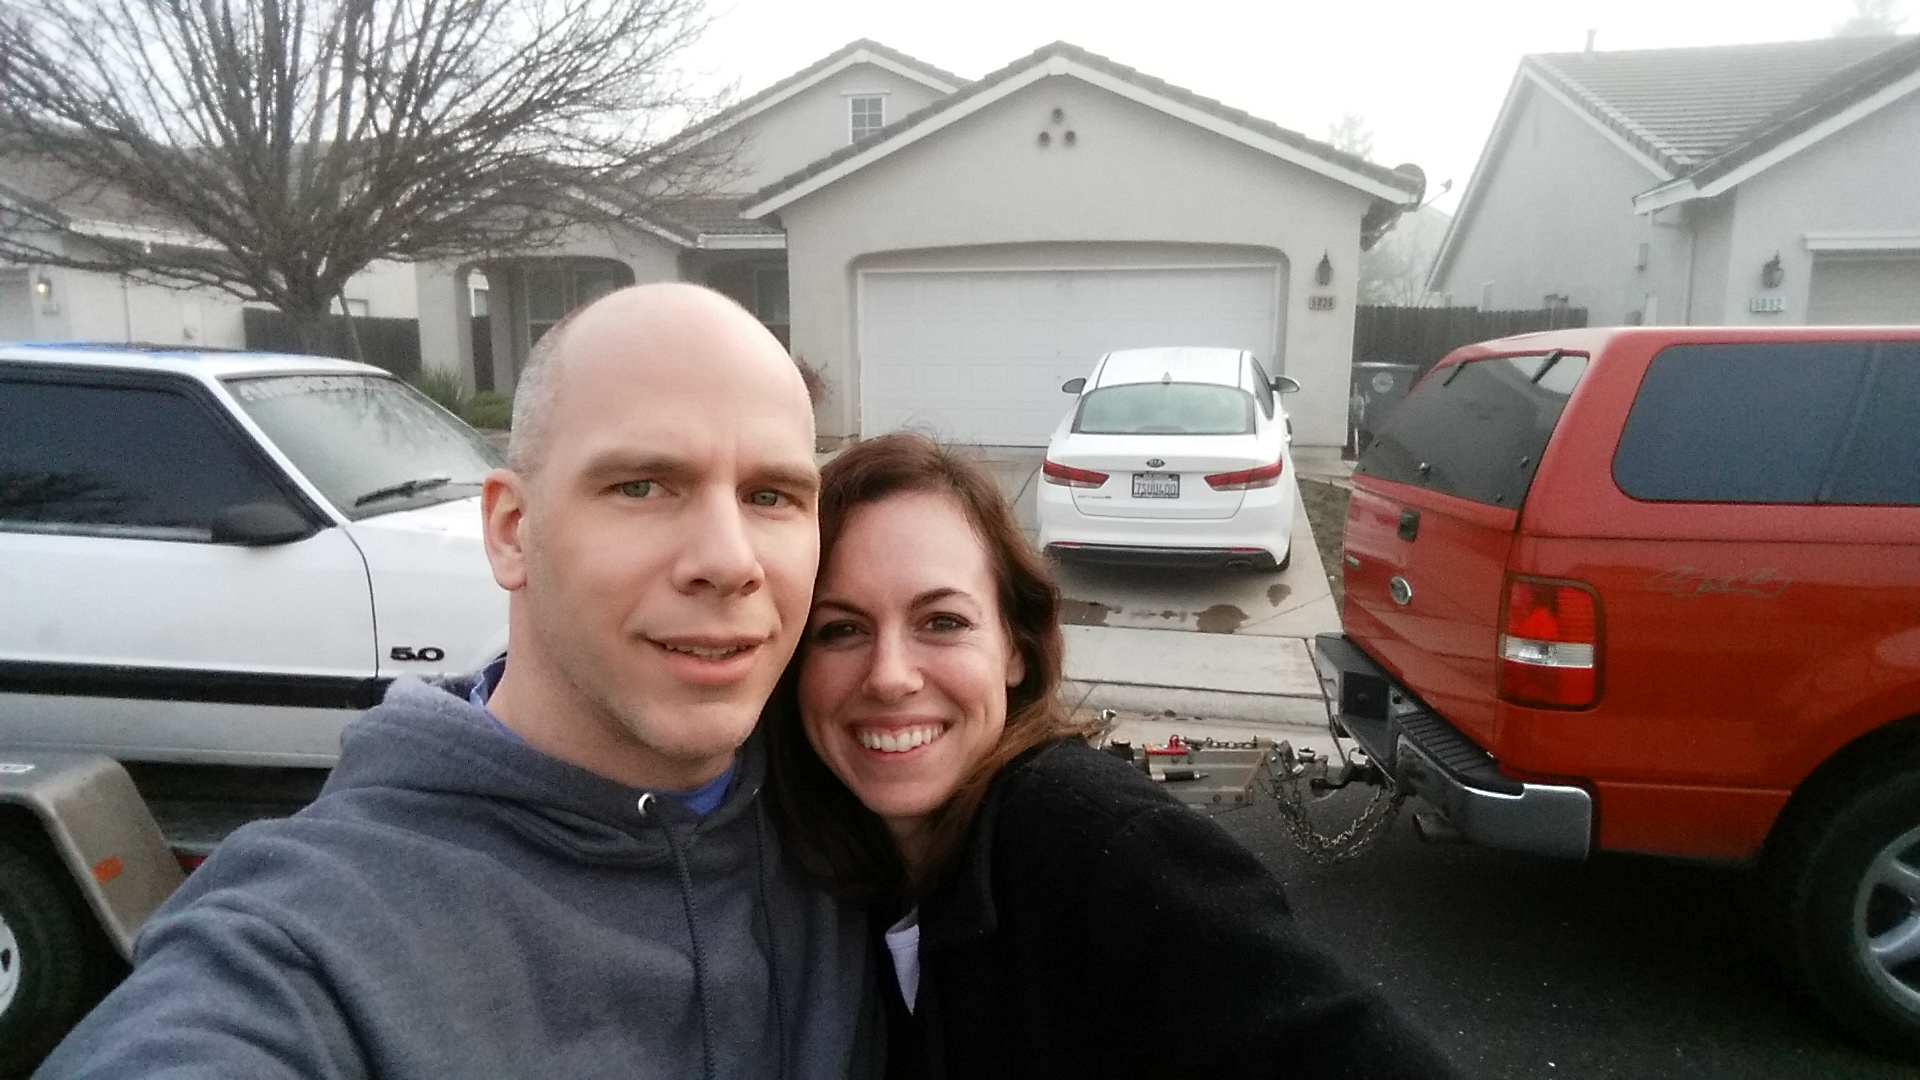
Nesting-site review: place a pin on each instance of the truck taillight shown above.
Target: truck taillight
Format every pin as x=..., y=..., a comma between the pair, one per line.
x=1550, y=652
x=1068, y=476
x=1245, y=479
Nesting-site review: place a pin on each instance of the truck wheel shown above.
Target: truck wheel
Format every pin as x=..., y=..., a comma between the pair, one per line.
x=1854, y=911
x=46, y=963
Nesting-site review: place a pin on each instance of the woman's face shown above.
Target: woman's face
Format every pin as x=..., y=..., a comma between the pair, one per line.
x=906, y=660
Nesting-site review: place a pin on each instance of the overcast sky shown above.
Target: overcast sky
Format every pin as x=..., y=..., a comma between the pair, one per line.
x=1428, y=76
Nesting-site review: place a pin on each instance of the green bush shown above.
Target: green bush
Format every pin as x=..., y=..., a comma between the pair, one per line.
x=443, y=387
x=489, y=409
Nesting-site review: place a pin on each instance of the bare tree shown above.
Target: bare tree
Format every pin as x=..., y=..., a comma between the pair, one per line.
x=1870, y=18
x=1352, y=134
x=271, y=149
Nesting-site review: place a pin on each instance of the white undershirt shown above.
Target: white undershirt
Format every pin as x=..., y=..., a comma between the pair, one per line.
x=903, y=941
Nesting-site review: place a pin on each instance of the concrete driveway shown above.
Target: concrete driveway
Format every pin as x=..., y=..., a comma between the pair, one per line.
x=1168, y=647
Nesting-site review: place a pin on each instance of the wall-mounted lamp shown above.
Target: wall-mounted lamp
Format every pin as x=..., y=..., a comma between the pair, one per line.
x=43, y=287
x=1771, y=273
x=1323, y=274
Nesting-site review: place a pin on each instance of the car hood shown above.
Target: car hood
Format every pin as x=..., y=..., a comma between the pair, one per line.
x=454, y=518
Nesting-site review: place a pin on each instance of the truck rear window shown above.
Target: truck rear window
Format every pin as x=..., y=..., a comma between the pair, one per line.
x=1827, y=422
x=1476, y=430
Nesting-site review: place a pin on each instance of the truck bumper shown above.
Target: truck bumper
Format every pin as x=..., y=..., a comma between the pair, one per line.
x=1425, y=755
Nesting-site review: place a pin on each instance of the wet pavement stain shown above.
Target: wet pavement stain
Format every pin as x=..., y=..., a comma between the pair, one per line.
x=1084, y=612
x=1221, y=619
x=1276, y=593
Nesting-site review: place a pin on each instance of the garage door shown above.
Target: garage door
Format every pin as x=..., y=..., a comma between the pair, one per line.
x=1865, y=292
x=979, y=356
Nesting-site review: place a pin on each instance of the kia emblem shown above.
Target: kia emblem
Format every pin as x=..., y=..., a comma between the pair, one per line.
x=1154, y=463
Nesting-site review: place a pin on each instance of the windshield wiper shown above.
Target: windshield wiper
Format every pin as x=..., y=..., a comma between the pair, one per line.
x=403, y=488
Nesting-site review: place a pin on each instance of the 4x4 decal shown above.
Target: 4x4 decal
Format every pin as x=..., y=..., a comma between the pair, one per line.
x=1685, y=581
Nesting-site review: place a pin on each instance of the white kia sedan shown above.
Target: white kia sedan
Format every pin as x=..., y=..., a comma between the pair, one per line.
x=1172, y=457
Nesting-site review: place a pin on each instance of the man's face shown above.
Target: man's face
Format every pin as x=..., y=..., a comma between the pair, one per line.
x=669, y=538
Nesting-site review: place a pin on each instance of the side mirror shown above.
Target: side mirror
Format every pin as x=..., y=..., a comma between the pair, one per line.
x=1286, y=384
x=1073, y=386
x=260, y=524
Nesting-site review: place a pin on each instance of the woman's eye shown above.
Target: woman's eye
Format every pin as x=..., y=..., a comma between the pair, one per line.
x=946, y=624
x=766, y=498
x=827, y=633
x=637, y=489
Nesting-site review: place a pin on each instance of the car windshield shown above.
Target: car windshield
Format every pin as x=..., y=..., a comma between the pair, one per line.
x=371, y=444
x=1165, y=408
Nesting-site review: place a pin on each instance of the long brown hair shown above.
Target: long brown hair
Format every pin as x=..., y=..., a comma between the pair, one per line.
x=837, y=840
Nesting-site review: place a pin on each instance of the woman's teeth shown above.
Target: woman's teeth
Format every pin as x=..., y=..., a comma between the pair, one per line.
x=704, y=653
x=888, y=742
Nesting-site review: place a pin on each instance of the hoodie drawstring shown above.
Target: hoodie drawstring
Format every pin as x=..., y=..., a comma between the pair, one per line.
x=773, y=939
x=693, y=932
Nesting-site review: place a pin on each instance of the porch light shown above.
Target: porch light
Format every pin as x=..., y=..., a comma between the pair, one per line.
x=1771, y=273
x=1323, y=274
x=43, y=287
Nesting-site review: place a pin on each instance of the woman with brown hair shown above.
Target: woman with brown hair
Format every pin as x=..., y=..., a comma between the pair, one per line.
x=1049, y=911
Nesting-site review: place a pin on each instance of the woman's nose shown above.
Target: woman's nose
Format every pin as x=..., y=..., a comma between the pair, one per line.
x=894, y=674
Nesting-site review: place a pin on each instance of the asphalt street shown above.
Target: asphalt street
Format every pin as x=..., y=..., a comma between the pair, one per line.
x=1524, y=966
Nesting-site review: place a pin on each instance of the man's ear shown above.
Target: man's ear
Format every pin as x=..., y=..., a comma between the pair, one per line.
x=503, y=525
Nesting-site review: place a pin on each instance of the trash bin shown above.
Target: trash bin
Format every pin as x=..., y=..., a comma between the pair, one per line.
x=1377, y=388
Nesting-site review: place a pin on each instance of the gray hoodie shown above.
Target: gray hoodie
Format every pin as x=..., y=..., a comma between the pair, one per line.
x=459, y=906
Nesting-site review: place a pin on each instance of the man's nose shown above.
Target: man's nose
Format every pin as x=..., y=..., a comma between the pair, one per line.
x=893, y=675
x=717, y=550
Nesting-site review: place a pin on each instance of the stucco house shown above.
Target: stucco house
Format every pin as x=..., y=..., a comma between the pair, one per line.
x=952, y=251
x=1771, y=183
x=50, y=303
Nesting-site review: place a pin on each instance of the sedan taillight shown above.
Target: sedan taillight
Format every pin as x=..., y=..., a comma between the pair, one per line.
x=1549, y=655
x=1068, y=476
x=1245, y=479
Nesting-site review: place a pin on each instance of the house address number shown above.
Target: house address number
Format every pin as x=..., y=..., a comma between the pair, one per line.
x=1319, y=303
x=1765, y=304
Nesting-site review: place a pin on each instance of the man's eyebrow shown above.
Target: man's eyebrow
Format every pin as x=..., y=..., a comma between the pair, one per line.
x=625, y=463
x=787, y=476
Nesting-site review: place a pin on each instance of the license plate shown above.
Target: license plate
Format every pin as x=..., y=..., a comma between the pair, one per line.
x=1156, y=485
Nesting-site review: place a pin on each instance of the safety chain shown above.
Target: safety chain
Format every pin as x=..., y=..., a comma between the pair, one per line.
x=1293, y=769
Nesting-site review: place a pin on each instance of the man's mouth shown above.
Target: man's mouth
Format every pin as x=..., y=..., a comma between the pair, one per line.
x=706, y=652
x=899, y=742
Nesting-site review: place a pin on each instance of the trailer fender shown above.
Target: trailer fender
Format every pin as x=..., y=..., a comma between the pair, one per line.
x=102, y=831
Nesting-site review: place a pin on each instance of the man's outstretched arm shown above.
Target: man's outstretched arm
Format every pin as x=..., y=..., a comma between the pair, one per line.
x=215, y=993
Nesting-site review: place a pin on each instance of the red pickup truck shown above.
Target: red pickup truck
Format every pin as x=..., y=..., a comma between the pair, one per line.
x=1658, y=590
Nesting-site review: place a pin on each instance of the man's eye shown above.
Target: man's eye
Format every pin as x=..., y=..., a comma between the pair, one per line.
x=637, y=489
x=766, y=498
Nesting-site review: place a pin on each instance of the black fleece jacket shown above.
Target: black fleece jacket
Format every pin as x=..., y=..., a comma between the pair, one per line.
x=1097, y=928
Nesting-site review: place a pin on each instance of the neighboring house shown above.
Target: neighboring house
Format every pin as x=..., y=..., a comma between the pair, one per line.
x=951, y=252
x=1726, y=185
x=49, y=303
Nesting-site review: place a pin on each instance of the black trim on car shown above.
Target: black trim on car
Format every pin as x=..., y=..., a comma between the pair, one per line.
x=190, y=684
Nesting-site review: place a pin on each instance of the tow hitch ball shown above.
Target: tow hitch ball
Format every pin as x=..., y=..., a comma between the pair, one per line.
x=1321, y=774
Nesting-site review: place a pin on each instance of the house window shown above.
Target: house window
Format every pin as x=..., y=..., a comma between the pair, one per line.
x=770, y=294
x=554, y=290
x=867, y=113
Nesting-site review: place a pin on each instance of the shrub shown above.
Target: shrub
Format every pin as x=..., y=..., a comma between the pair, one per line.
x=489, y=409
x=443, y=387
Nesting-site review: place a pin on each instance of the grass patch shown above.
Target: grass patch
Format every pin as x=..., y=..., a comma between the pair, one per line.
x=1327, y=513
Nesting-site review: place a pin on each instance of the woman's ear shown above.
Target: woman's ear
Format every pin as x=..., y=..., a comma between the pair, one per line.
x=1016, y=667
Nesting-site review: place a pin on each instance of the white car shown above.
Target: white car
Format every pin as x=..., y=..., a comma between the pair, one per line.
x=222, y=558
x=1175, y=457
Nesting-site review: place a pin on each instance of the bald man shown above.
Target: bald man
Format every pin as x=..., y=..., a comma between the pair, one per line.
x=558, y=868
